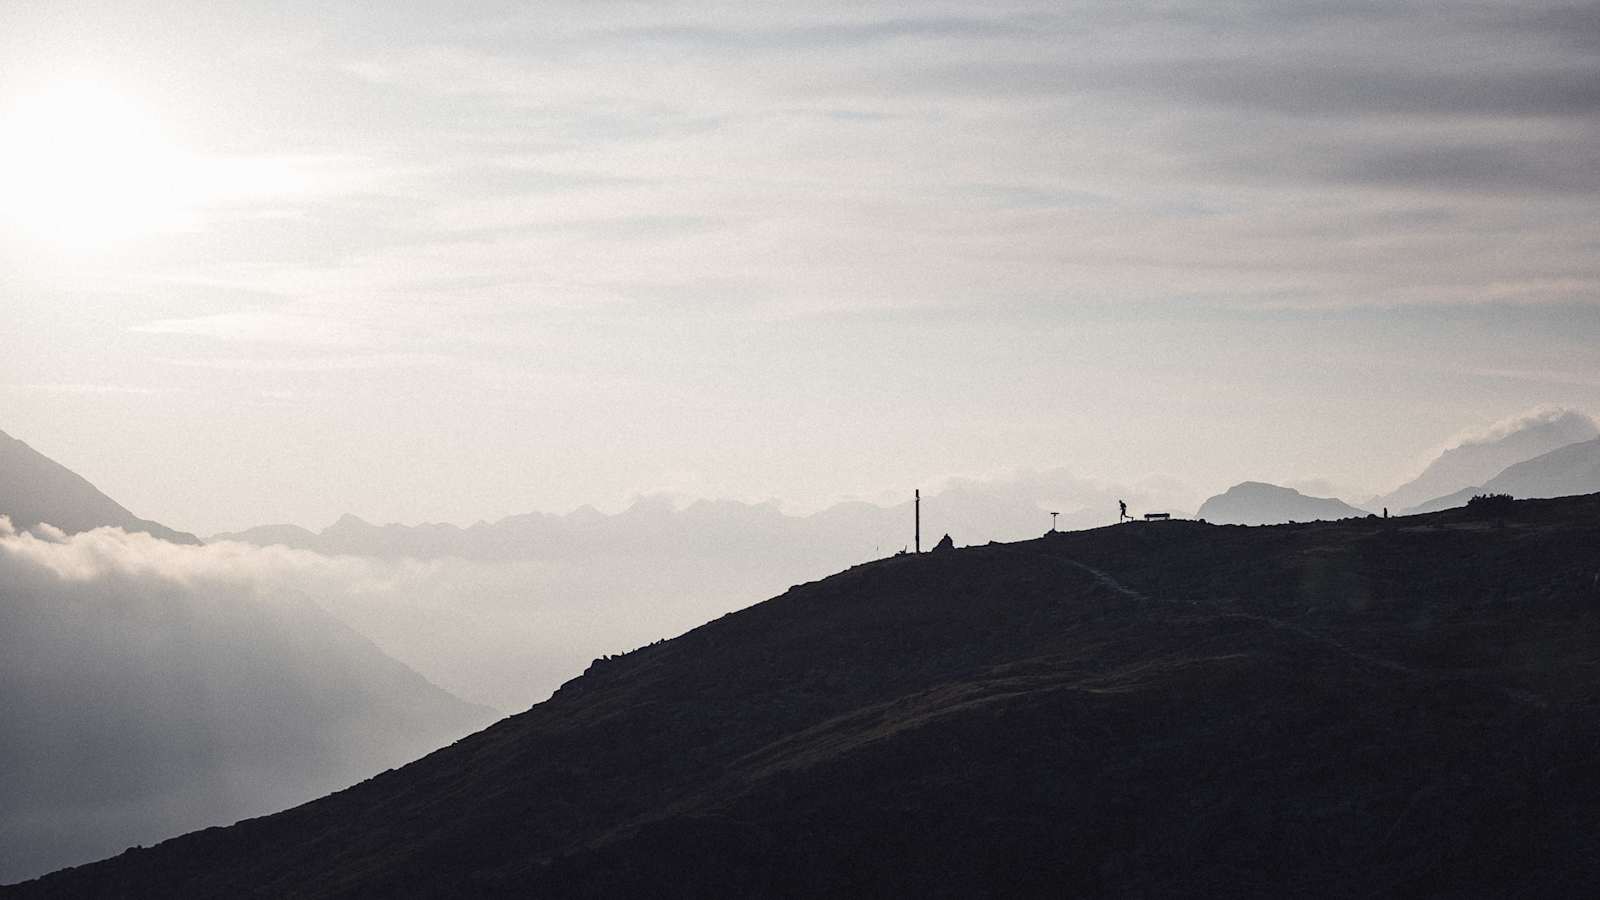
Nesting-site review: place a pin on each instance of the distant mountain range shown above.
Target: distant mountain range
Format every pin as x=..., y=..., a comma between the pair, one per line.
x=851, y=532
x=1335, y=709
x=1256, y=503
x=35, y=489
x=1552, y=453
x=840, y=535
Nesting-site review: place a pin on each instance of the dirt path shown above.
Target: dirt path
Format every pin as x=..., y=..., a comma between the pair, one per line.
x=1110, y=581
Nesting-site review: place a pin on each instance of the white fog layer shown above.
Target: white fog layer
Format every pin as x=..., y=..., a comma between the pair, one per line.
x=148, y=689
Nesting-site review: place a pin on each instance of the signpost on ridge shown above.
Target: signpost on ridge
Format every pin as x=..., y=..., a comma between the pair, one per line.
x=918, y=506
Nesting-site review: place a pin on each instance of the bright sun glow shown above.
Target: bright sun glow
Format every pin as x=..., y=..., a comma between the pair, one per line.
x=82, y=166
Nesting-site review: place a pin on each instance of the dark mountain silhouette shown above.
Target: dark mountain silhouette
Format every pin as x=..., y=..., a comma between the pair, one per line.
x=1474, y=462
x=1257, y=503
x=35, y=489
x=1568, y=471
x=1356, y=708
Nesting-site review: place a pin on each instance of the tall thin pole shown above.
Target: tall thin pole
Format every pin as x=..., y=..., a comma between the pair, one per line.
x=919, y=520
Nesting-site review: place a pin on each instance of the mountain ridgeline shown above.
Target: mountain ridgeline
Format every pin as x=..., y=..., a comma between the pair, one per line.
x=1255, y=503
x=1573, y=469
x=1473, y=462
x=1355, y=708
x=1551, y=454
x=35, y=490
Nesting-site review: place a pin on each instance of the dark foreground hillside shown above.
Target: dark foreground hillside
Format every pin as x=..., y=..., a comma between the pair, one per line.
x=1361, y=708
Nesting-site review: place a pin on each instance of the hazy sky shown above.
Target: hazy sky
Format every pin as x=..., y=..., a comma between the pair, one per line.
x=446, y=261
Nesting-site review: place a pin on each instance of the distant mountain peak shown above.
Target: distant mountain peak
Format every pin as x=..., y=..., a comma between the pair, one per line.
x=268, y=535
x=1260, y=503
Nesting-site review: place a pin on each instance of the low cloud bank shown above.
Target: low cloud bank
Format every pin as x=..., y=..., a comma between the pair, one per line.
x=1572, y=424
x=148, y=689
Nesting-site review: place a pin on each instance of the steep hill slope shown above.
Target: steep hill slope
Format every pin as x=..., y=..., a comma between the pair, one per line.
x=1257, y=503
x=1448, y=501
x=1571, y=470
x=1355, y=708
x=36, y=489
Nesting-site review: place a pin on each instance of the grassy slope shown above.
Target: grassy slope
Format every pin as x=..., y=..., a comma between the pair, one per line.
x=1401, y=707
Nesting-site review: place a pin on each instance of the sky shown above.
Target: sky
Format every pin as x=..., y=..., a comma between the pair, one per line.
x=450, y=262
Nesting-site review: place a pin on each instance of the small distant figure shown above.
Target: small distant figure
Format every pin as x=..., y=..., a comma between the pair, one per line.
x=1123, y=516
x=1386, y=512
x=944, y=544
